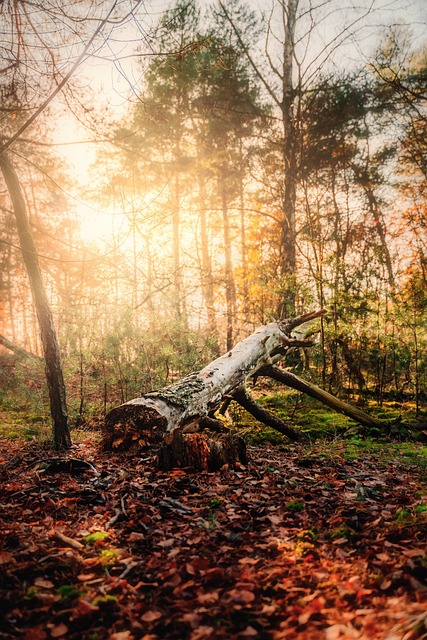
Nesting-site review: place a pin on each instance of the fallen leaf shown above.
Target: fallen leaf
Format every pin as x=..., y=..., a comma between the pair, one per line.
x=135, y=536
x=84, y=577
x=250, y=632
x=242, y=596
x=6, y=557
x=44, y=584
x=414, y=553
x=84, y=608
x=167, y=543
x=208, y=598
x=151, y=616
x=60, y=630
x=202, y=632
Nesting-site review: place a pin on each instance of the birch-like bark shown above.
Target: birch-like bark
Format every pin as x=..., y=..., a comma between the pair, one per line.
x=147, y=419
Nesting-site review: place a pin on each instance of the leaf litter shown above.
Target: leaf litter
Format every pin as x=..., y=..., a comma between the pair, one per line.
x=297, y=544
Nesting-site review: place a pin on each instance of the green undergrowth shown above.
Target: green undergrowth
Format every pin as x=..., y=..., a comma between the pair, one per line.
x=316, y=421
x=24, y=425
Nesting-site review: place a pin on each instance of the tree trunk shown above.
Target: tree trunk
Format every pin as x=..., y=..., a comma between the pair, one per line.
x=206, y=267
x=55, y=380
x=288, y=108
x=230, y=288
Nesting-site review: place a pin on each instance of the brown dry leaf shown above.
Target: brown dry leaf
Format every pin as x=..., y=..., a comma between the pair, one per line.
x=121, y=635
x=60, y=630
x=202, y=632
x=274, y=519
x=250, y=632
x=44, y=584
x=135, y=536
x=268, y=609
x=6, y=557
x=208, y=598
x=151, y=616
x=84, y=608
x=167, y=543
x=414, y=553
x=242, y=596
x=85, y=577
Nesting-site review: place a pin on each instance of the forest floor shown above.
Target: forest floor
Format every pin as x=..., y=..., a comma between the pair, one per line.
x=327, y=541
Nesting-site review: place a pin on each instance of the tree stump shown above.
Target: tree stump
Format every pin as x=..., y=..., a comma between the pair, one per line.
x=200, y=451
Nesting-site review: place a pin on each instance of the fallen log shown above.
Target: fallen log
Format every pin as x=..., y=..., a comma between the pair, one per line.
x=169, y=417
x=153, y=418
x=18, y=351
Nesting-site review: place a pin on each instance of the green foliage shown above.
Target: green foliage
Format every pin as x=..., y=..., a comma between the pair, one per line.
x=215, y=503
x=402, y=517
x=420, y=508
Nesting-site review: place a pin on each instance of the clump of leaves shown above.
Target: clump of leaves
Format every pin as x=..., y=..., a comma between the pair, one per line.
x=342, y=531
x=307, y=534
x=211, y=523
x=31, y=594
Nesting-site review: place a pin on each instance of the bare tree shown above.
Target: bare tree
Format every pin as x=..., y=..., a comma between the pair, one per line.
x=36, y=68
x=295, y=53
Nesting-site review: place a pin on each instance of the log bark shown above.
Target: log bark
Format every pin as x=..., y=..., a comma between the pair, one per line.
x=267, y=417
x=144, y=421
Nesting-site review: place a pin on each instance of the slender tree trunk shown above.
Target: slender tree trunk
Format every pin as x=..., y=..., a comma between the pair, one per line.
x=362, y=177
x=230, y=290
x=244, y=253
x=176, y=246
x=288, y=226
x=206, y=275
x=54, y=376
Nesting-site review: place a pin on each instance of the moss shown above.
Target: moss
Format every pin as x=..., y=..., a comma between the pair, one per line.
x=97, y=536
x=108, y=557
x=295, y=506
x=68, y=592
x=105, y=601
